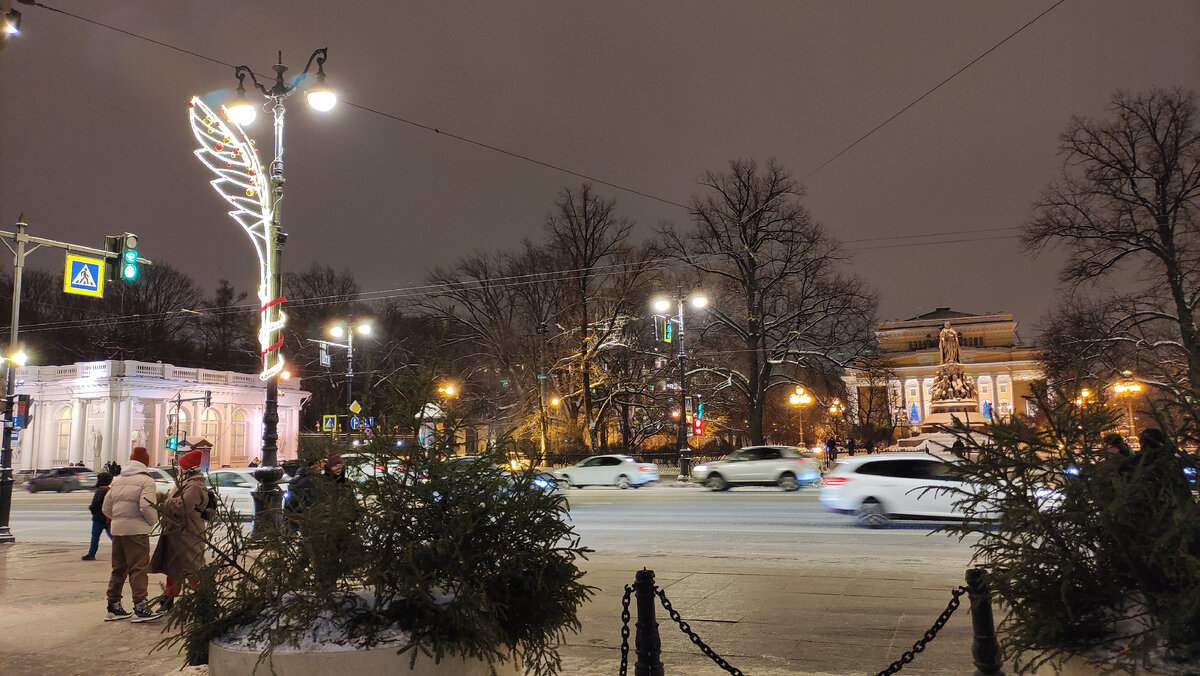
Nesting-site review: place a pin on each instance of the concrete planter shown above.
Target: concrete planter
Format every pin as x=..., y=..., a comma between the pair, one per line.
x=224, y=661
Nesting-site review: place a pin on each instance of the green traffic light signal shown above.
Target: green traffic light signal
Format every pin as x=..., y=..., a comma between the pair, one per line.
x=172, y=444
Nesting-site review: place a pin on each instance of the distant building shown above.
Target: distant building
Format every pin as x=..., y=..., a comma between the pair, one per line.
x=991, y=353
x=98, y=411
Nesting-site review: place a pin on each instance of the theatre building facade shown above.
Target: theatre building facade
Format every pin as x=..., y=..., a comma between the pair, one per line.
x=98, y=411
x=991, y=352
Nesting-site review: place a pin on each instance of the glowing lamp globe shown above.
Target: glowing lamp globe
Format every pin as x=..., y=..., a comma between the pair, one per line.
x=364, y=329
x=661, y=305
x=242, y=112
x=322, y=99
x=699, y=302
x=337, y=330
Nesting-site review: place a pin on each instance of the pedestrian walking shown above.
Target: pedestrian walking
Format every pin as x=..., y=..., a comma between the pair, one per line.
x=99, y=521
x=130, y=504
x=180, y=550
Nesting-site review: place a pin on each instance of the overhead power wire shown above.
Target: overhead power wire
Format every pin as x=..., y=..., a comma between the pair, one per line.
x=428, y=290
x=936, y=87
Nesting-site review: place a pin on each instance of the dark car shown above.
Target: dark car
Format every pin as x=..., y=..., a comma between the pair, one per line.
x=63, y=480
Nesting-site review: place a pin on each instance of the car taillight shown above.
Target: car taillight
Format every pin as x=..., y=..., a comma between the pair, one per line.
x=834, y=481
x=646, y=468
x=80, y=477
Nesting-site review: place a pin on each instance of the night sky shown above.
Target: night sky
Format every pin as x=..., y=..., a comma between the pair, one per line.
x=94, y=137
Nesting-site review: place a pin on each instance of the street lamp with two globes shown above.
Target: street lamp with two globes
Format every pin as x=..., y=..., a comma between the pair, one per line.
x=662, y=305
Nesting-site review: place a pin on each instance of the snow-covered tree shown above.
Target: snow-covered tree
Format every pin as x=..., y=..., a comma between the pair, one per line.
x=781, y=299
x=1125, y=209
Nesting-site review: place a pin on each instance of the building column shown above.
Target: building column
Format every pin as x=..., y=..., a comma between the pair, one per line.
x=124, y=434
x=164, y=416
x=78, y=429
x=108, y=432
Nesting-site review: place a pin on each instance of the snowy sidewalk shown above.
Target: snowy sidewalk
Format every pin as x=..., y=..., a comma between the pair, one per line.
x=768, y=618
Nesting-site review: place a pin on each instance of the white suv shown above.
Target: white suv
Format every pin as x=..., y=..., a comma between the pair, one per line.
x=783, y=466
x=884, y=486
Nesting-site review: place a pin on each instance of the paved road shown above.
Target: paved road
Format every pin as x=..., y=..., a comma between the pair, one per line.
x=659, y=520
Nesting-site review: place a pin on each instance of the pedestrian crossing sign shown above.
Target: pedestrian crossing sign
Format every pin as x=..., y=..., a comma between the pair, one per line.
x=84, y=276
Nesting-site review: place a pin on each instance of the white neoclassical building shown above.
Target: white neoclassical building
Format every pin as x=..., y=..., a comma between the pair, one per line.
x=98, y=411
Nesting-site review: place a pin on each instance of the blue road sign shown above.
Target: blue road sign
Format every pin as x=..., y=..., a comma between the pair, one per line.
x=84, y=276
x=364, y=422
x=328, y=423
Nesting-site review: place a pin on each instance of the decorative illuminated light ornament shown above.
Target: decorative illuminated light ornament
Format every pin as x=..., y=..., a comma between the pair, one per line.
x=229, y=154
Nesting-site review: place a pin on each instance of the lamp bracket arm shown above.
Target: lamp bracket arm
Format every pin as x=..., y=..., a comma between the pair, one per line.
x=241, y=72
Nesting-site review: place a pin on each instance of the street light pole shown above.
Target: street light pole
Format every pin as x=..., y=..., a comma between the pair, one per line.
x=661, y=305
x=6, y=470
x=229, y=153
x=681, y=434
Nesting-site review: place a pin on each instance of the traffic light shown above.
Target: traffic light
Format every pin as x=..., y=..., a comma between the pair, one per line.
x=129, y=258
x=697, y=427
x=172, y=444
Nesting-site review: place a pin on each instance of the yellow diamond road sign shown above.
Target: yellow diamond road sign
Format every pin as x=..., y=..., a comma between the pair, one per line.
x=355, y=408
x=84, y=276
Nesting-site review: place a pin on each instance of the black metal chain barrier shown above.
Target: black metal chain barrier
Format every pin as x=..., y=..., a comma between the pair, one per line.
x=625, y=629
x=985, y=649
x=687, y=629
x=955, y=601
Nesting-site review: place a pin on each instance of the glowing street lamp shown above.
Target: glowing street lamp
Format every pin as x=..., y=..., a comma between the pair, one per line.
x=1127, y=389
x=662, y=305
x=257, y=197
x=347, y=330
x=836, y=409
x=800, y=398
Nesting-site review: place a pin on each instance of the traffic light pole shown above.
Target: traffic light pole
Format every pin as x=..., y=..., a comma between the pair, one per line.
x=22, y=240
x=681, y=437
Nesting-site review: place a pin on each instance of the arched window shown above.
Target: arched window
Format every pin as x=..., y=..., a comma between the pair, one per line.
x=239, y=436
x=210, y=425
x=64, y=437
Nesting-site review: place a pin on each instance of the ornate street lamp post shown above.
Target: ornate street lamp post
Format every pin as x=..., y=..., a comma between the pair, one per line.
x=800, y=398
x=662, y=306
x=1127, y=389
x=257, y=196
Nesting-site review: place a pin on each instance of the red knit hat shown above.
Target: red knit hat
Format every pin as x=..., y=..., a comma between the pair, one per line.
x=190, y=460
x=140, y=454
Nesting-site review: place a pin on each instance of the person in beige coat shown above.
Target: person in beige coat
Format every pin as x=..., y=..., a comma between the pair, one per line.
x=180, y=550
x=131, y=505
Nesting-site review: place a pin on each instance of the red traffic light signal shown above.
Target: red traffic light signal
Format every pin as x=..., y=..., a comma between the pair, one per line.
x=697, y=427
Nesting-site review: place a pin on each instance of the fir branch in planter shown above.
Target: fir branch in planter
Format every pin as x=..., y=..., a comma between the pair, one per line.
x=467, y=559
x=1087, y=551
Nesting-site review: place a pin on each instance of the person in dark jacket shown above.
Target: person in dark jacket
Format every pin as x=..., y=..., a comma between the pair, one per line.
x=99, y=521
x=302, y=490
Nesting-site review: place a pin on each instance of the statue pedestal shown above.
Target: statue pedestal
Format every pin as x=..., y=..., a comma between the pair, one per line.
x=944, y=413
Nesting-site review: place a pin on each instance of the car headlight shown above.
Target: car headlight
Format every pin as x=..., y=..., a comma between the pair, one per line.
x=700, y=468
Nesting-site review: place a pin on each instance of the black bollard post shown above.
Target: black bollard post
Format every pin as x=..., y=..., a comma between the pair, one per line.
x=985, y=649
x=647, y=644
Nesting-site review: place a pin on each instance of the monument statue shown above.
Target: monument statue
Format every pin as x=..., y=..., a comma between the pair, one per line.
x=948, y=340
